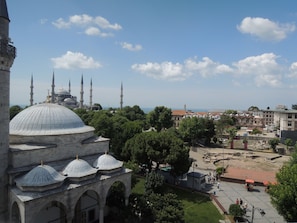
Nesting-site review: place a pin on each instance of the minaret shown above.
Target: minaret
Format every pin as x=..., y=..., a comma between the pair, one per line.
x=91, y=94
x=69, y=87
x=81, y=92
x=7, y=55
x=121, y=103
x=31, y=91
x=53, y=89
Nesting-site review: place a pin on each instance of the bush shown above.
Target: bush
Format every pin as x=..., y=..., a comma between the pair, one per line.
x=235, y=210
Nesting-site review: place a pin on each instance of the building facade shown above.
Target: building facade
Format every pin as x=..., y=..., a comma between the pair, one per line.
x=53, y=168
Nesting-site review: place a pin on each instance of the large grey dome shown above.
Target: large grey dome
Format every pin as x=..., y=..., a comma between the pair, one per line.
x=47, y=119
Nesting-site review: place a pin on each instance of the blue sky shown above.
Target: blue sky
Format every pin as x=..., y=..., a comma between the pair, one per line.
x=203, y=54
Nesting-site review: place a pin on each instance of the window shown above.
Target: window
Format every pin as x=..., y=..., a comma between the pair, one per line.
x=91, y=215
x=289, y=123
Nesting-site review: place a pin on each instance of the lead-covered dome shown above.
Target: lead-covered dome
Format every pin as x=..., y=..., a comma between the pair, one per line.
x=47, y=119
x=78, y=168
x=40, y=178
x=107, y=162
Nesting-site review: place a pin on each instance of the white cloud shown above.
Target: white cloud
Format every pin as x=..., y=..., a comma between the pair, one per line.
x=206, y=67
x=177, y=71
x=94, y=31
x=261, y=70
x=72, y=60
x=164, y=71
x=91, y=25
x=264, y=68
x=293, y=70
x=265, y=29
x=131, y=47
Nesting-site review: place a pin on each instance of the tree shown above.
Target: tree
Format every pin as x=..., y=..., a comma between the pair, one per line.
x=224, y=123
x=14, y=110
x=102, y=123
x=153, y=183
x=194, y=129
x=294, y=106
x=160, y=118
x=158, y=147
x=85, y=115
x=288, y=142
x=284, y=193
x=235, y=210
x=273, y=143
x=232, y=133
x=133, y=113
x=253, y=108
x=166, y=208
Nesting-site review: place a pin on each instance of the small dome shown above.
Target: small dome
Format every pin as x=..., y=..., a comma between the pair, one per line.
x=62, y=92
x=47, y=119
x=42, y=175
x=78, y=168
x=107, y=162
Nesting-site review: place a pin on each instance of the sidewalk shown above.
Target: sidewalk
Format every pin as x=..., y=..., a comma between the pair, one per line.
x=229, y=192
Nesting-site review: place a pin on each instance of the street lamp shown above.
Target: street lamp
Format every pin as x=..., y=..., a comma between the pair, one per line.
x=194, y=164
x=262, y=212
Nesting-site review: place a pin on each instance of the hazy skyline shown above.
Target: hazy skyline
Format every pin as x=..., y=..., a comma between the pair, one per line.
x=205, y=54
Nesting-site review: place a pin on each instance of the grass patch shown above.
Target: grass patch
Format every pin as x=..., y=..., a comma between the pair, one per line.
x=197, y=207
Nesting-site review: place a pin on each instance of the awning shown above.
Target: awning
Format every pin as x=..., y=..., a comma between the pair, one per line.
x=249, y=181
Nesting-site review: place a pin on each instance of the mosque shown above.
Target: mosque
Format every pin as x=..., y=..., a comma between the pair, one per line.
x=53, y=168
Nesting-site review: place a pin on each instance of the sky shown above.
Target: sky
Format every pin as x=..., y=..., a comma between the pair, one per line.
x=205, y=54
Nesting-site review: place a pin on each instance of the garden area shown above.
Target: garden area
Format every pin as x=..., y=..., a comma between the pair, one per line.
x=197, y=207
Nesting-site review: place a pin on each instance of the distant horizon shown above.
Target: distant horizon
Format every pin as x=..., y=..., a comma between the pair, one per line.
x=148, y=109
x=205, y=54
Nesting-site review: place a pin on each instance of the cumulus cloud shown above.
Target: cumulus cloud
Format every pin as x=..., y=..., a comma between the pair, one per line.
x=206, y=67
x=91, y=25
x=293, y=70
x=261, y=70
x=264, y=68
x=265, y=29
x=164, y=71
x=177, y=71
x=72, y=60
x=131, y=47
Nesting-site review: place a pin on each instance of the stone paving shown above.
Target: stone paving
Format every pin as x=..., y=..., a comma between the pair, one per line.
x=228, y=193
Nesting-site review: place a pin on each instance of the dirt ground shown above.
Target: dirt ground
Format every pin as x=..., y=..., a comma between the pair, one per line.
x=211, y=158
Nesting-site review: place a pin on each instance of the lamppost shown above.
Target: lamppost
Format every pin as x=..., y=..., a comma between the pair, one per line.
x=262, y=212
x=194, y=164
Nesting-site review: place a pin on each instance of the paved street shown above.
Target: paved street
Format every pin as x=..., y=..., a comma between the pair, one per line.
x=229, y=192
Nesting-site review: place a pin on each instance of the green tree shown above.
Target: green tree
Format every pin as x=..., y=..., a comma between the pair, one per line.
x=232, y=133
x=85, y=115
x=284, y=193
x=224, y=123
x=166, y=208
x=194, y=129
x=253, y=108
x=133, y=113
x=273, y=143
x=153, y=183
x=294, y=106
x=293, y=159
x=14, y=110
x=235, y=210
x=160, y=118
x=102, y=123
x=159, y=147
x=288, y=143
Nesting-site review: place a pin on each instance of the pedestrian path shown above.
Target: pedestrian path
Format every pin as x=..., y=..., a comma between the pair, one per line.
x=228, y=193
